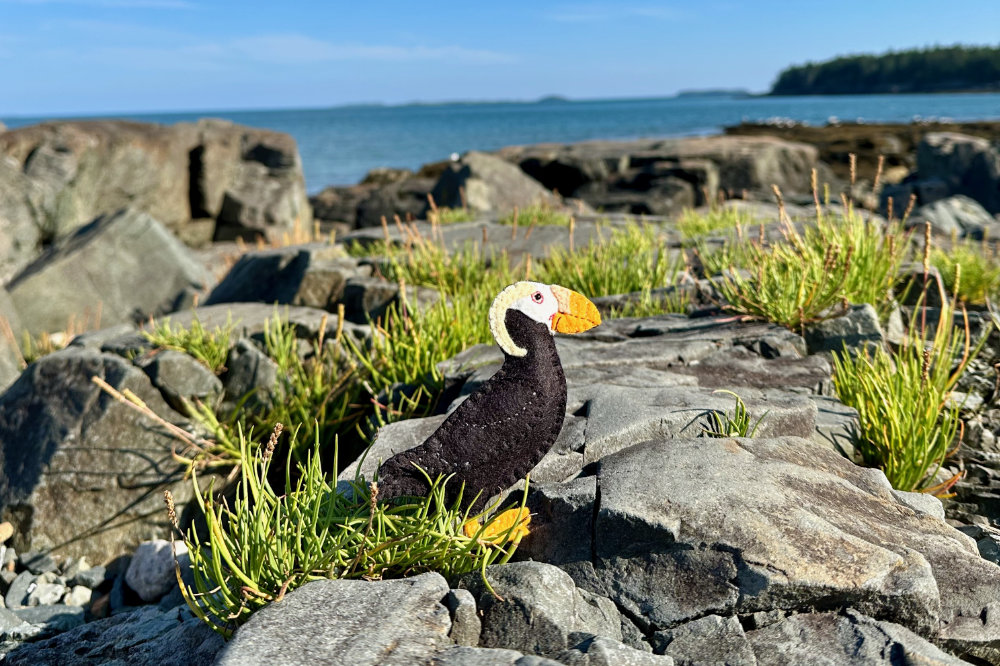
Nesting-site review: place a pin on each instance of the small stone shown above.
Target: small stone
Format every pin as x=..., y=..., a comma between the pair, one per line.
x=73, y=566
x=93, y=577
x=465, y=624
x=9, y=556
x=20, y=587
x=46, y=594
x=38, y=562
x=78, y=596
x=6, y=531
x=151, y=572
x=6, y=578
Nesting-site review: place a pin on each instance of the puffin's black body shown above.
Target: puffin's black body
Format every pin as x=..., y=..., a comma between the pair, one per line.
x=499, y=433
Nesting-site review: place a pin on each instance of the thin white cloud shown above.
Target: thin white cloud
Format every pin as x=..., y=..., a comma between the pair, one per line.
x=118, y=49
x=302, y=49
x=594, y=13
x=110, y=4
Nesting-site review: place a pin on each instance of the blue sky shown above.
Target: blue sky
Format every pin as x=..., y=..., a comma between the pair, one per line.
x=62, y=57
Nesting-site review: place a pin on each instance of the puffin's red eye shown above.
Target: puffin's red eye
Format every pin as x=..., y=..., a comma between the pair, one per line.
x=537, y=297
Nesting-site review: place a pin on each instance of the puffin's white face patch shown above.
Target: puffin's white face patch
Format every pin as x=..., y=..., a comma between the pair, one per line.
x=533, y=299
x=540, y=305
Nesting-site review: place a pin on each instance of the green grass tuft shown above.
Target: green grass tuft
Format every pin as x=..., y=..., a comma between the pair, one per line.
x=737, y=423
x=980, y=270
x=906, y=423
x=537, y=215
x=268, y=542
x=798, y=280
x=209, y=347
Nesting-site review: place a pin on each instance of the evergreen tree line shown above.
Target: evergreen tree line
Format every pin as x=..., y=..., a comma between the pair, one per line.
x=936, y=69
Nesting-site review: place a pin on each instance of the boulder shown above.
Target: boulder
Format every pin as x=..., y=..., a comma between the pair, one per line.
x=120, y=268
x=406, y=198
x=367, y=299
x=856, y=329
x=81, y=472
x=348, y=621
x=690, y=528
x=485, y=182
x=312, y=275
x=538, y=609
x=203, y=180
x=956, y=215
x=182, y=380
x=339, y=203
x=828, y=638
x=968, y=165
x=147, y=636
x=594, y=170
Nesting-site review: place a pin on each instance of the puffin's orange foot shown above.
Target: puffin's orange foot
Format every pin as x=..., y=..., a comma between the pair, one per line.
x=497, y=528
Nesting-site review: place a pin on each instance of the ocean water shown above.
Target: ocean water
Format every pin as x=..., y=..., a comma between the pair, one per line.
x=339, y=145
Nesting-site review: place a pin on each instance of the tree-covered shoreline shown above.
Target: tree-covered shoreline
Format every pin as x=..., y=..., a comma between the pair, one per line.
x=926, y=70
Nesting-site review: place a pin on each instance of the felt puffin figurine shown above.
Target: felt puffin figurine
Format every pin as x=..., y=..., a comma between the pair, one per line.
x=503, y=430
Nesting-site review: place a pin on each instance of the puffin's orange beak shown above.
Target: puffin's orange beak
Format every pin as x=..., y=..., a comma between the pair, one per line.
x=576, y=312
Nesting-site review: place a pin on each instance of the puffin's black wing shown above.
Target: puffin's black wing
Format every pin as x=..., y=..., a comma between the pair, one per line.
x=496, y=436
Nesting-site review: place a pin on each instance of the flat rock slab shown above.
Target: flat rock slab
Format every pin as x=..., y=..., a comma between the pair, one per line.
x=144, y=637
x=250, y=319
x=686, y=528
x=120, y=268
x=347, y=622
x=619, y=417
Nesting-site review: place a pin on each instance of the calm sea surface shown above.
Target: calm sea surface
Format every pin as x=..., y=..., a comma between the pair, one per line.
x=339, y=145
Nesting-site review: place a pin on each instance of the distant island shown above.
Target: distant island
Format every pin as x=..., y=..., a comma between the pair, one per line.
x=715, y=92
x=928, y=70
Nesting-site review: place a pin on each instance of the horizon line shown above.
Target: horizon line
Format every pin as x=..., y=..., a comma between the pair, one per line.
x=553, y=98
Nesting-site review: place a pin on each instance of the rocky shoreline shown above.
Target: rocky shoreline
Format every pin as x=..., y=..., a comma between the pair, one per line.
x=650, y=544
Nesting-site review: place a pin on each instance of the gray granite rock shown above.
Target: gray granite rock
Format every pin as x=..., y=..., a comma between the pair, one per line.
x=688, y=528
x=957, y=215
x=465, y=624
x=250, y=375
x=968, y=165
x=347, y=621
x=488, y=183
x=17, y=593
x=858, y=328
x=93, y=577
x=600, y=651
x=710, y=639
x=476, y=656
x=538, y=608
x=52, y=617
x=144, y=637
x=311, y=275
x=104, y=267
x=182, y=380
x=79, y=469
x=150, y=573
x=828, y=639
x=619, y=417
